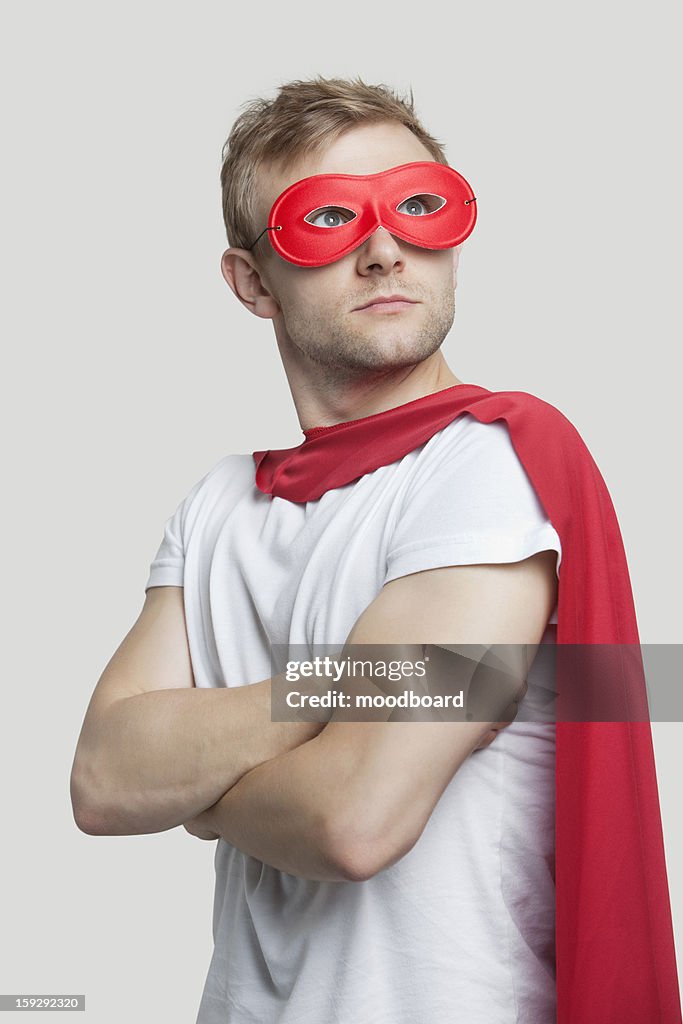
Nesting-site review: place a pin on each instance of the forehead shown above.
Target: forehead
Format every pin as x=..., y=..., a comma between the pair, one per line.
x=368, y=149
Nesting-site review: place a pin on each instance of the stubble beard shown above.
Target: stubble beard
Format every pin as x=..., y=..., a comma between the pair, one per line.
x=347, y=351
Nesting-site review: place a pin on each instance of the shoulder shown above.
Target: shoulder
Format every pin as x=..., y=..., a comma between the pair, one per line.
x=523, y=410
x=233, y=469
x=232, y=474
x=503, y=423
x=494, y=449
x=520, y=407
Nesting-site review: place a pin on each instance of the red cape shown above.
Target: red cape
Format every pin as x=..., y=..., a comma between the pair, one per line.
x=615, y=955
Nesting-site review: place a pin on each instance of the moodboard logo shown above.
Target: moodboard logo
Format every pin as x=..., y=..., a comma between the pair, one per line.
x=542, y=683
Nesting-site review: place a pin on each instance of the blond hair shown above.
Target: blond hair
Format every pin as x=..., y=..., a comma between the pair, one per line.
x=304, y=118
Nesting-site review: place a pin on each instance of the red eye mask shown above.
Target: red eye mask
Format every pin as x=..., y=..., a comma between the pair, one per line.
x=319, y=219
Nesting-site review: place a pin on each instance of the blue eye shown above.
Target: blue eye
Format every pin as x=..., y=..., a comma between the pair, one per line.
x=330, y=217
x=413, y=207
x=421, y=205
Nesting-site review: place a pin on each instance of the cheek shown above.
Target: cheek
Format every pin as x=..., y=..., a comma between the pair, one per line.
x=287, y=286
x=448, y=269
x=302, y=299
x=436, y=271
x=316, y=288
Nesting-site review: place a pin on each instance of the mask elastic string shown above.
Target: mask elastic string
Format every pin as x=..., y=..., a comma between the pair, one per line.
x=278, y=228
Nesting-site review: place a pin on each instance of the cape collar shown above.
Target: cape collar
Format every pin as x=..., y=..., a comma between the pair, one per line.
x=332, y=456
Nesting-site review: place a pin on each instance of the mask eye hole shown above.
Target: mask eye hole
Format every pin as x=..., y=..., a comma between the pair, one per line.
x=421, y=205
x=329, y=217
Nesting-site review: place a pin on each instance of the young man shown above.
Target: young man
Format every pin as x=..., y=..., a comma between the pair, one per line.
x=366, y=871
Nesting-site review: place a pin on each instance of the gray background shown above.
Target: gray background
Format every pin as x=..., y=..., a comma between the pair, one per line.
x=130, y=369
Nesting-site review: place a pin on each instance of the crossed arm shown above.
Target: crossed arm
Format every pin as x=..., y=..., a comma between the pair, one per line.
x=353, y=799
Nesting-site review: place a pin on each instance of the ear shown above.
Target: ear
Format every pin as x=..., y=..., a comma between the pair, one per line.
x=242, y=273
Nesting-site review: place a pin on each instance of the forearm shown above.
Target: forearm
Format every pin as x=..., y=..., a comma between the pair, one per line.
x=336, y=809
x=349, y=802
x=281, y=811
x=274, y=814
x=161, y=757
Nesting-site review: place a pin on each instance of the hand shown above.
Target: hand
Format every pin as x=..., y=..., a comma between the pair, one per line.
x=199, y=826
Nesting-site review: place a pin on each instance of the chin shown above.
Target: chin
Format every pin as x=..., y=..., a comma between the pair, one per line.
x=405, y=350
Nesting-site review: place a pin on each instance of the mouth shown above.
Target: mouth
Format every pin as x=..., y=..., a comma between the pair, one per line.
x=387, y=304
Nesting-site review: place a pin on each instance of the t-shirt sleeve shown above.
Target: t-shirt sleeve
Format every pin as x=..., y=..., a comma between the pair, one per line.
x=167, y=569
x=168, y=566
x=470, y=501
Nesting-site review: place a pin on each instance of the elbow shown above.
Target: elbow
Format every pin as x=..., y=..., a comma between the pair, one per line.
x=358, y=853
x=356, y=863
x=86, y=821
x=87, y=806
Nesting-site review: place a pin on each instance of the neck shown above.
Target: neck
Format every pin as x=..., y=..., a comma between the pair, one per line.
x=337, y=403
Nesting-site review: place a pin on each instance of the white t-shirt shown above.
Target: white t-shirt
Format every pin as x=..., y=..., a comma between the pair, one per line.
x=461, y=929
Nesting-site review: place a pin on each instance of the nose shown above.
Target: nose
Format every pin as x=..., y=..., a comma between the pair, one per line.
x=380, y=254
